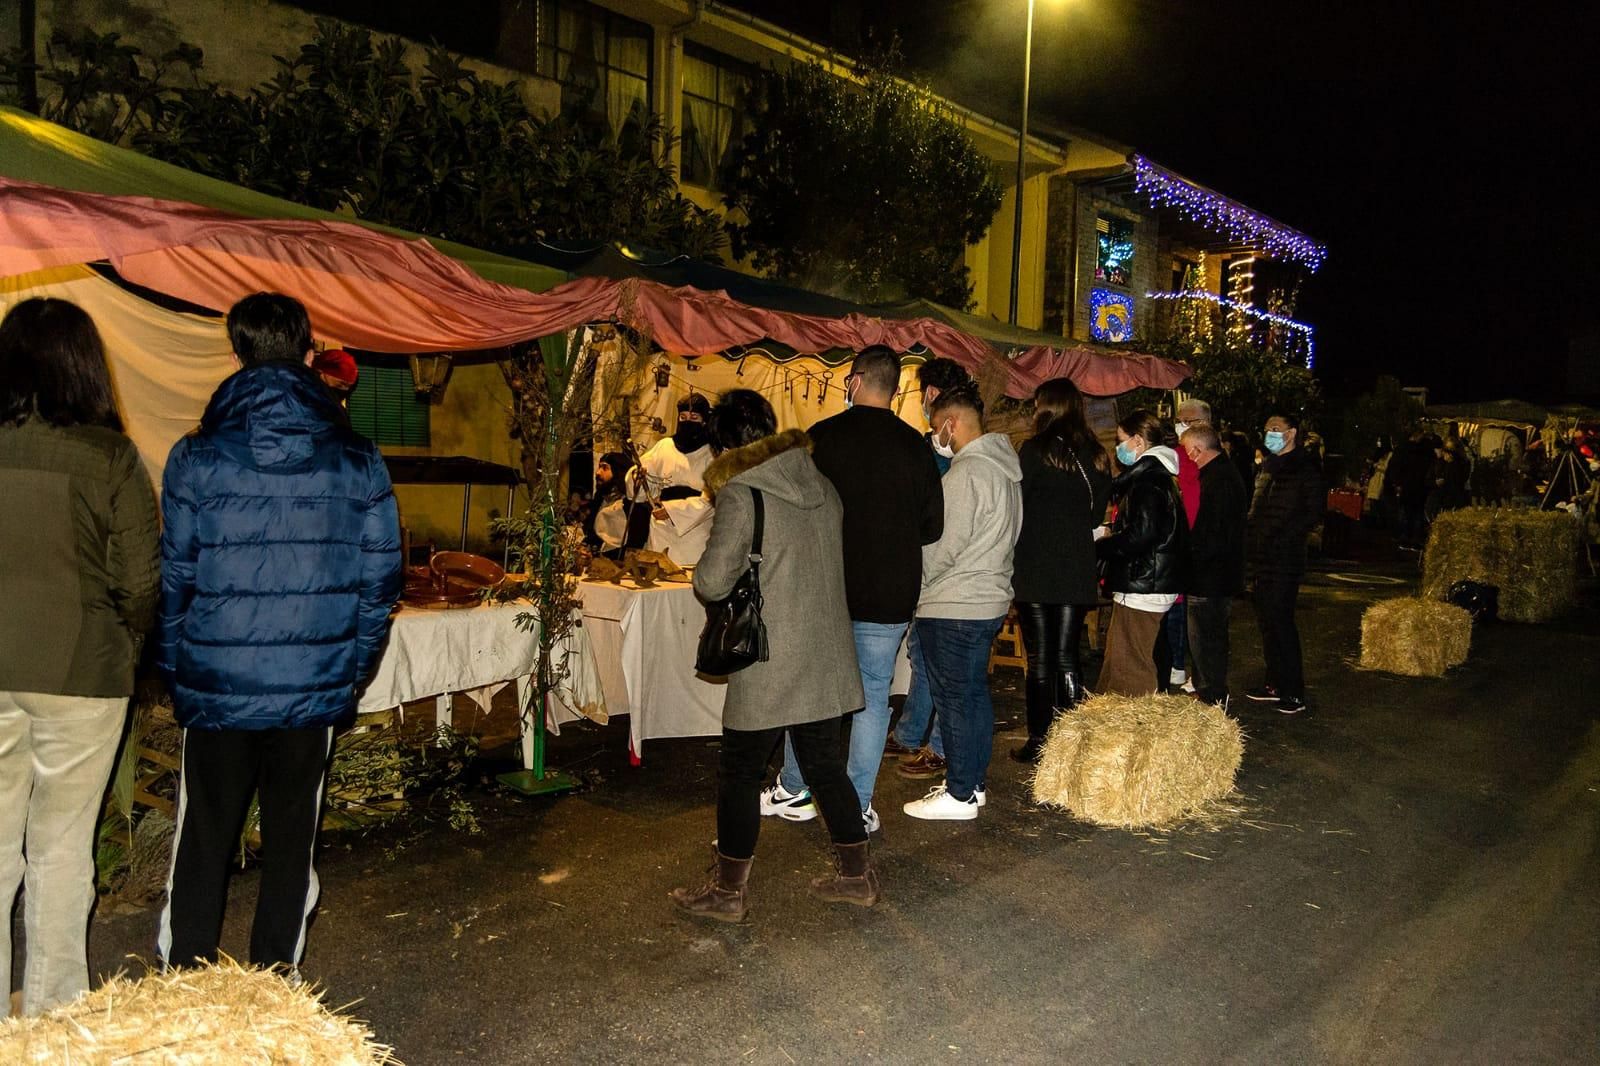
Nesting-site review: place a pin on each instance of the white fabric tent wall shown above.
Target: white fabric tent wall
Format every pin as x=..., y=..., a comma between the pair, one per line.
x=164, y=365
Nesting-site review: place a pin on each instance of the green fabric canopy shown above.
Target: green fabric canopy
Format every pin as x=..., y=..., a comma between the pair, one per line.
x=32, y=149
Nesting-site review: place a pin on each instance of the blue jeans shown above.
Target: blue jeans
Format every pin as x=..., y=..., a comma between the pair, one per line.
x=913, y=730
x=957, y=654
x=877, y=646
x=1176, y=625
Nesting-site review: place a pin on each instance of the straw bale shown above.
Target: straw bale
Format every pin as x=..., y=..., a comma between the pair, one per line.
x=222, y=1014
x=1530, y=556
x=1138, y=761
x=1415, y=637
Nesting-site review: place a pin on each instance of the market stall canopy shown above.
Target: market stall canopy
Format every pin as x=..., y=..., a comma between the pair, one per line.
x=382, y=291
x=1515, y=412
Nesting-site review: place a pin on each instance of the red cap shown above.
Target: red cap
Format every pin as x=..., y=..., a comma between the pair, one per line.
x=338, y=364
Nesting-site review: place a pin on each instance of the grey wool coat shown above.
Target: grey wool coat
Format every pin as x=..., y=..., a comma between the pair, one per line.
x=811, y=674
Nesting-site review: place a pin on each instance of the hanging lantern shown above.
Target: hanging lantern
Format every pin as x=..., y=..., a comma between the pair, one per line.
x=429, y=372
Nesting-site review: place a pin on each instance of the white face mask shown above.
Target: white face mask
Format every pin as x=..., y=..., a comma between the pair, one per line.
x=1181, y=428
x=946, y=450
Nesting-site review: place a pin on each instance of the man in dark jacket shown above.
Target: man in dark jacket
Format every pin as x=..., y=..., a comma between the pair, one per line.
x=1216, y=553
x=1289, y=503
x=893, y=505
x=281, y=562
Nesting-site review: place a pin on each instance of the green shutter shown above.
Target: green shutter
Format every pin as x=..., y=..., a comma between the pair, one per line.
x=385, y=408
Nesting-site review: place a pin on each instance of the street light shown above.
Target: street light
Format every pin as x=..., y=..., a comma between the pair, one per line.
x=1022, y=144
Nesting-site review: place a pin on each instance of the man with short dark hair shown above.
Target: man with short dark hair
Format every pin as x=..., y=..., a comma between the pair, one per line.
x=1289, y=502
x=1216, y=551
x=893, y=505
x=966, y=592
x=280, y=563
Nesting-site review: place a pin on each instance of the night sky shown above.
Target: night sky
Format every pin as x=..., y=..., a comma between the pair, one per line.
x=1433, y=147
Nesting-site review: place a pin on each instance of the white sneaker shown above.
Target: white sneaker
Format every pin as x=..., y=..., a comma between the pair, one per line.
x=1180, y=678
x=869, y=818
x=791, y=807
x=939, y=805
x=981, y=795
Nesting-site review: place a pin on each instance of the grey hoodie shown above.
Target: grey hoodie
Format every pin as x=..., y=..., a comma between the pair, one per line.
x=967, y=572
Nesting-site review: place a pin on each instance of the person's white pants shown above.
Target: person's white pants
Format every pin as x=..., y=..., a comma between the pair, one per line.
x=55, y=758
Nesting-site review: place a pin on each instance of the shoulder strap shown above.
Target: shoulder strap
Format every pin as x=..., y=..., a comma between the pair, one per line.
x=761, y=514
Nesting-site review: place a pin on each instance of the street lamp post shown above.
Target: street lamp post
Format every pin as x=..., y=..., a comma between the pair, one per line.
x=1022, y=144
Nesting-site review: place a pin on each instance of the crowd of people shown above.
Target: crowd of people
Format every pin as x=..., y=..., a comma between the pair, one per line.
x=871, y=536
x=269, y=570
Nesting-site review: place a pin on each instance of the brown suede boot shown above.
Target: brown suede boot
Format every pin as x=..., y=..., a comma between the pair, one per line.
x=854, y=880
x=722, y=897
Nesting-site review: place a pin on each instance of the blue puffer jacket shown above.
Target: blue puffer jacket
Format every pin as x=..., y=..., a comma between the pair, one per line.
x=280, y=557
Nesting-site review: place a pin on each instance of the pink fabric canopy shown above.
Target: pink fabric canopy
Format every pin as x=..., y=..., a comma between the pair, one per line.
x=383, y=293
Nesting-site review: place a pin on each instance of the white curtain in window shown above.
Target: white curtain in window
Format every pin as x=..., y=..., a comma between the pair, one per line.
x=712, y=124
x=626, y=98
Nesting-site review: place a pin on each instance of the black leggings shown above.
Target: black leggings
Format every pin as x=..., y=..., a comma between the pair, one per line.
x=1050, y=635
x=746, y=755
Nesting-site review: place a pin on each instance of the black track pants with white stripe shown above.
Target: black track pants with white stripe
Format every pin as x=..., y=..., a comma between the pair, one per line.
x=221, y=770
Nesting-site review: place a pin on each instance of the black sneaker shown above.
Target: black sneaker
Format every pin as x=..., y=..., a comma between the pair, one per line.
x=1291, y=705
x=1264, y=694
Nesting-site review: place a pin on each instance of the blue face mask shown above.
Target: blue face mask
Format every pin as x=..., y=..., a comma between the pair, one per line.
x=1125, y=454
x=1274, y=442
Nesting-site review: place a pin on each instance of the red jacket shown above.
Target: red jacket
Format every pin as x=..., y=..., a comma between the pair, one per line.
x=1188, y=486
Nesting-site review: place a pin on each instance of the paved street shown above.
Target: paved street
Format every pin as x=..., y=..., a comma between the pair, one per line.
x=1413, y=880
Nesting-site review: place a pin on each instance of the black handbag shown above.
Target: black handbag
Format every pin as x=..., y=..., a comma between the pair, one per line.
x=735, y=636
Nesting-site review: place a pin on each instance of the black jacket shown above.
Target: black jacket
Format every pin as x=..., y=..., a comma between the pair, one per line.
x=1054, y=560
x=893, y=504
x=1148, y=548
x=1288, y=505
x=1216, y=543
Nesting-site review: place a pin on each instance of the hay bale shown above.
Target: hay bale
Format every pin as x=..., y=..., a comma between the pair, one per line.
x=1414, y=637
x=1530, y=556
x=1138, y=761
x=222, y=1014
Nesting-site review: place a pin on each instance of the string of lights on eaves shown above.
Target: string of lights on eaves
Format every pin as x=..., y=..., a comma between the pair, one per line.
x=1307, y=331
x=1222, y=215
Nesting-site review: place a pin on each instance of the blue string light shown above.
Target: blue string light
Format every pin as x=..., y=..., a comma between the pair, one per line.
x=1304, y=329
x=1224, y=216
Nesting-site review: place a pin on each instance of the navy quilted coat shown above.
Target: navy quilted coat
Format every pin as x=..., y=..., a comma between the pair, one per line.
x=280, y=558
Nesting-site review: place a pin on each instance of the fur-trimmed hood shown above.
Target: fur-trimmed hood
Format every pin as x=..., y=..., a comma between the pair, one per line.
x=779, y=465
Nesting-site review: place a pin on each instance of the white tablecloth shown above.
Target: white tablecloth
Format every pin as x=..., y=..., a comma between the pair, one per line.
x=644, y=644
x=476, y=651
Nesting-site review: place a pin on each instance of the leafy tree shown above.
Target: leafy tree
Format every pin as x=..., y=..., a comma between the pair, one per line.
x=1387, y=413
x=1243, y=381
x=868, y=190
x=347, y=125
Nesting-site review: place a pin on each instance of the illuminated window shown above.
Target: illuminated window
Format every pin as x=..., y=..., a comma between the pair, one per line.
x=602, y=61
x=713, y=113
x=1114, y=265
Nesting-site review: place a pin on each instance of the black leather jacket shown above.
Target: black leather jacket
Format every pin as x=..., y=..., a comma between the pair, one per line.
x=1148, y=548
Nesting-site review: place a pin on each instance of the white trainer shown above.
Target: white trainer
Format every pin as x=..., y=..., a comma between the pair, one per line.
x=790, y=806
x=981, y=795
x=939, y=805
x=1178, y=677
x=869, y=818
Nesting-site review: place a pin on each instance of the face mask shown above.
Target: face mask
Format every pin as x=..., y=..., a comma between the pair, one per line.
x=1181, y=428
x=946, y=450
x=1274, y=442
x=690, y=437
x=1125, y=454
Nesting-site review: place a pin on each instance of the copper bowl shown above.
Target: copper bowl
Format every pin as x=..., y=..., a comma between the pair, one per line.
x=467, y=569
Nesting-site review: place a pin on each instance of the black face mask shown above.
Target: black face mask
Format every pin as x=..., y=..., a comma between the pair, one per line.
x=691, y=436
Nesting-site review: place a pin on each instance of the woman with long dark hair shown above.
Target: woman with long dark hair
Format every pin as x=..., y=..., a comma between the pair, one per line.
x=810, y=681
x=1146, y=553
x=1065, y=477
x=79, y=574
